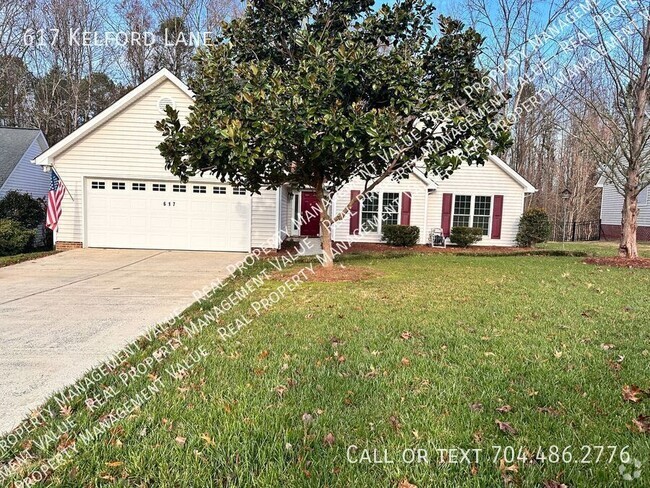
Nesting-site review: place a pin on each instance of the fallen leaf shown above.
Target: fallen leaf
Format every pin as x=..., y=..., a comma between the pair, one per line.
x=631, y=393
x=506, y=427
x=477, y=436
x=406, y=361
x=264, y=354
x=406, y=335
x=474, y=469
x=394, y=421
x=557, y=354
x=208, y=440
x=180, y=440
x=476, y=407
x=548, y=410
x=607, y=347
x=642, y=424
x=553, y=484
x=504, y=468
x=406, y=484
x=505, y=409
x=114, y=464
x=329, y=439
x=66, y=411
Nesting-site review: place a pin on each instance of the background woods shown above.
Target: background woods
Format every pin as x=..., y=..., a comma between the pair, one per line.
x=50, y=79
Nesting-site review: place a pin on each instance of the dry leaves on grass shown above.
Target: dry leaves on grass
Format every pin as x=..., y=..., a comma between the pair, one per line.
x=406, y=484
x=504, y=409
x=406, y=335
x=553, y=484
x=642, y=424
x=329, y=439
x=631, y=393
x=506, y=427
x=476, y=407
x=180, y=440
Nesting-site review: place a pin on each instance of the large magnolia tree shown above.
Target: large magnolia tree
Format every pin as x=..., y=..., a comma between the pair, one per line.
x=315, y=93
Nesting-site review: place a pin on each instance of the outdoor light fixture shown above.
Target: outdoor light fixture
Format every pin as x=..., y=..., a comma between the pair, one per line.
x=566, y=194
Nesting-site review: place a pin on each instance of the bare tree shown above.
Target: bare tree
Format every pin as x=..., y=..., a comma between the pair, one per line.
x=617, y=95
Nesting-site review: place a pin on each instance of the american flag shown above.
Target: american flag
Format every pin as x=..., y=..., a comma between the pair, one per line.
x=54, y=199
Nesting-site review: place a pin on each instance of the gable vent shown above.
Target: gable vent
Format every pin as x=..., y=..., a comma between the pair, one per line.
x=163, y=102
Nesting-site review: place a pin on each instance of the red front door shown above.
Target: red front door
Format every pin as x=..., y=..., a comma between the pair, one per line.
x=309, y=214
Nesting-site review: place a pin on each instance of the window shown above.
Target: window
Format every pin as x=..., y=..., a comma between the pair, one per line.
x=118, y=186
x=219, y=190
x=199, y=189
x=370, y=212
x=390, y=208
x=98, y=185
x=139, y=187
x=179, y=189
x=472, y=211
x=482, y=208
x=158, y=187
x=238, y=191
x=462, y=210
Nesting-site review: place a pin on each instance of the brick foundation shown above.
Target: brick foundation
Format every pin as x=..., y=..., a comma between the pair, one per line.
x=66, y=246
x=613, y=232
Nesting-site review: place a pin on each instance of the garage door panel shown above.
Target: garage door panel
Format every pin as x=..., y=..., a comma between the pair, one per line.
x=166, y=219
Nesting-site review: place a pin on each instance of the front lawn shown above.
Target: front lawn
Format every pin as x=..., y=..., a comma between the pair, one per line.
x=596, y=248
x=420, y=355
x=19, y=258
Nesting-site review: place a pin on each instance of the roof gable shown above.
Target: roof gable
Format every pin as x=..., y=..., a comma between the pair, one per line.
x=14, y=143
x=123, y=103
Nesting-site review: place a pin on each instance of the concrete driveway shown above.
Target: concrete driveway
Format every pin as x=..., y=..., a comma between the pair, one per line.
x=63, y=314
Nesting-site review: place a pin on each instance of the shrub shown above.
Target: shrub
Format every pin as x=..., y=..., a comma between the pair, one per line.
x=400, y=235
x=466, y=236
x=534, y=227
x=14, y=238
x=22, y=208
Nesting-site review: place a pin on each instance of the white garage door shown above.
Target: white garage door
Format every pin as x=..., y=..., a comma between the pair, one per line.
x=135, y=214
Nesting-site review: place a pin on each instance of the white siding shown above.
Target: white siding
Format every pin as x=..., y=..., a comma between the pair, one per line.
x=286, y=212
x=27, y=177
x=612, y=206
x=486, y=180
x=264, y=232
x=125, y=147
x=411, y=184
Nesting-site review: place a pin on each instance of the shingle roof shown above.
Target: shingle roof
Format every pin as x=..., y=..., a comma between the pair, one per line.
x=14, y=143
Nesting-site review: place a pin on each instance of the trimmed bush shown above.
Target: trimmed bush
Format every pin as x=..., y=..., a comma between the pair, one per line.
x=534, y=227
x=466, y=236
x=14, y=238
x=400, y=235
x=23, y=208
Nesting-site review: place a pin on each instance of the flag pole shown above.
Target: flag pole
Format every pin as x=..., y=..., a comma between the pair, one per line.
x=59, y=177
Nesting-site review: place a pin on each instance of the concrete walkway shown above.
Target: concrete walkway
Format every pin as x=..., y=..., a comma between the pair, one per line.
x=63, y=314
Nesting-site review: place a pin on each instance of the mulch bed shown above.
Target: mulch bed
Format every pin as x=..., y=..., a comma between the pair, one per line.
x=639, y=263
x=338, y=273
x=380, y=248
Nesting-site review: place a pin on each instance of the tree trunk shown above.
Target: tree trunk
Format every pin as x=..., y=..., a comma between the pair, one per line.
x=628, y=248
x=325, y=227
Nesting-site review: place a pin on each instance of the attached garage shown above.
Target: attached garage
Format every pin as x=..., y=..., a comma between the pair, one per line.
x=121, y=196
x=145, y=214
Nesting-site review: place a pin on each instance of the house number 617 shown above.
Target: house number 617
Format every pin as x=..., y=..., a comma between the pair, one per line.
x=169, y=204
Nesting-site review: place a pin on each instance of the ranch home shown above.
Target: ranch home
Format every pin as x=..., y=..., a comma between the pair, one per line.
x=121, y=196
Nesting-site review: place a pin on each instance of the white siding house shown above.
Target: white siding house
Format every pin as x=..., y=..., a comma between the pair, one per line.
x=17, y=149
x=611, y=209
x=121, y=195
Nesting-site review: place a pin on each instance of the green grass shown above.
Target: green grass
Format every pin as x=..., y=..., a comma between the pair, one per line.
x=524, y=331
x=19, y=258
x=596, y=248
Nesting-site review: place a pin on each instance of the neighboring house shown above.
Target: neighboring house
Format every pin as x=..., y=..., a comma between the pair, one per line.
x=17, y=149
x=611, y=212
x=124, y=197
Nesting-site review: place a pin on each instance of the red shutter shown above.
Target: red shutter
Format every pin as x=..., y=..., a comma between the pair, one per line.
x=497, y=217
x=446, y=214
x=406, y=209
x=354, y=214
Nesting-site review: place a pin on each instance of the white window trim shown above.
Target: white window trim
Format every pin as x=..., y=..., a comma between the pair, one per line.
x=471, y=211
x=380, y=210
